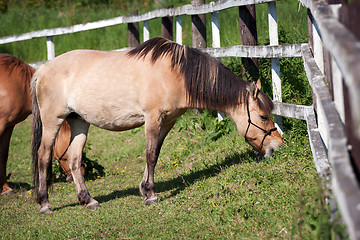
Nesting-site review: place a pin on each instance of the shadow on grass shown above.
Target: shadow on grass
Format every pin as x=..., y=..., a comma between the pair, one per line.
x=18, y=186
x=181, y=182
x=92, y=170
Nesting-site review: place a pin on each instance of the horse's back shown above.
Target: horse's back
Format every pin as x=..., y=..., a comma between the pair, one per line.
x=101, y=87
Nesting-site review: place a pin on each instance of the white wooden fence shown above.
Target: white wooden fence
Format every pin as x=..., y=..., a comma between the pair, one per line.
x=328, y=34
x=326, y=128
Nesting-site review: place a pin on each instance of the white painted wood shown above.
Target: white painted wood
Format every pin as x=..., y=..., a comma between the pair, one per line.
x=321, y=119
x=146, y=31
x=318, y=151
x=318, y=47
x=179, y=30
x=290, y=110
x=344, y=48
x=275, y=62
x=278, y=51
x=50, y=47
x=293, y=50
x=215, y=30
x=319, y=59
x=273, y=27
x=276, y=81
x=344, y=182
x=338, y=90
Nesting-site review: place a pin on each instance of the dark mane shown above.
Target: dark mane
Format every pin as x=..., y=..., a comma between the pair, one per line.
x=209, y=84
x=17, y=66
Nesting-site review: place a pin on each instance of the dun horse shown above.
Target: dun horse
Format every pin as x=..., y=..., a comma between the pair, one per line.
x=15, y=106
x=153, y=84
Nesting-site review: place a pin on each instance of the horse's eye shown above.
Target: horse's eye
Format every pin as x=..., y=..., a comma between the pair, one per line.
x=264, y=118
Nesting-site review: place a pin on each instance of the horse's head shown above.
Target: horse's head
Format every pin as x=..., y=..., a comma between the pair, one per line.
x=254, y=121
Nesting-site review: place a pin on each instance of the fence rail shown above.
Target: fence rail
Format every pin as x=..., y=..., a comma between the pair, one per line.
x=159, y=13
x=328, y=118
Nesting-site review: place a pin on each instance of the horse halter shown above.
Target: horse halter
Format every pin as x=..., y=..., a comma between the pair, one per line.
x=266, y=132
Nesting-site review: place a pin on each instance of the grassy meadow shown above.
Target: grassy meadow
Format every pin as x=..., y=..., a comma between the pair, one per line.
x=209, y=181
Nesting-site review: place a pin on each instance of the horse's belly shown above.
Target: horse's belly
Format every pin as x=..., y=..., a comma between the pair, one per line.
x=111, y=115
x=117, y=123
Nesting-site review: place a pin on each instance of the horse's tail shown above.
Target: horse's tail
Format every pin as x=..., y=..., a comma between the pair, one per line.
x=37, y=135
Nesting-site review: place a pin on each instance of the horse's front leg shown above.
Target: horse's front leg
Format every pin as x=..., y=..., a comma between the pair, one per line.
x=155, y=133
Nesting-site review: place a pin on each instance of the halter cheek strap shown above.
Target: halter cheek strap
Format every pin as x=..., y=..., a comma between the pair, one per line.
x=266, y=132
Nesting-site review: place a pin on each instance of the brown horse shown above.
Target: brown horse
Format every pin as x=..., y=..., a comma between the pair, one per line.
x=153, y=84
x=15, y=106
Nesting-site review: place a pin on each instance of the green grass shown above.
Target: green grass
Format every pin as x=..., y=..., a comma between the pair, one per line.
x=209, y=181
x=207, y=188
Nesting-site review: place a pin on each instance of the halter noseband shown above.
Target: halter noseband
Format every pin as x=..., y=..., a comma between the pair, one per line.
x=266, y=132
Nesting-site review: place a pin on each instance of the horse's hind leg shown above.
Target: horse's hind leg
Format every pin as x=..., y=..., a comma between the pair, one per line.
x=5, y=136
x=79, y=130
x=50, y=129
x=155, y=132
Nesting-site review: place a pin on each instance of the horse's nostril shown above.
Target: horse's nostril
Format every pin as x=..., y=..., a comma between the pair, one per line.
x=269, y=152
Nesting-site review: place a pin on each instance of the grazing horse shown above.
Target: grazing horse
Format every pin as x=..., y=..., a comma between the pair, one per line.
x=153, y=84
x=15, y=106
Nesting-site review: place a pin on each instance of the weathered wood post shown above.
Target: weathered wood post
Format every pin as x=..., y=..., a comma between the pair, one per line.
x=146, y=31
x=248, y=36
x=133, y=32
x=318, y=53
x=167, y=26
x=216, y=44
x=50, y=47
x=179, y=30
x=198, y=27
x=275, y=62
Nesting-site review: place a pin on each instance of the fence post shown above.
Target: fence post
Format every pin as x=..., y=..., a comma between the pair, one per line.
x=179, y=30
x=317, y=50
x=216, y=44
x=167, y=26
x=275, y=62
x=215, y=30
x=133, y=32
x=198, y=27
x=248, y=36
x=50, y=47
x=146, y=31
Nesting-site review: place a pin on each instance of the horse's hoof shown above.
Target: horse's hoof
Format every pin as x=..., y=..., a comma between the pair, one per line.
x=45, y=210
x=150, y=201
x=8, y=192
x=93, y=205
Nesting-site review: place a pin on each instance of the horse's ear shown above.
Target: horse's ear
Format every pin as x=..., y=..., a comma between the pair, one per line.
x=258, y=84
x=254, y=88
